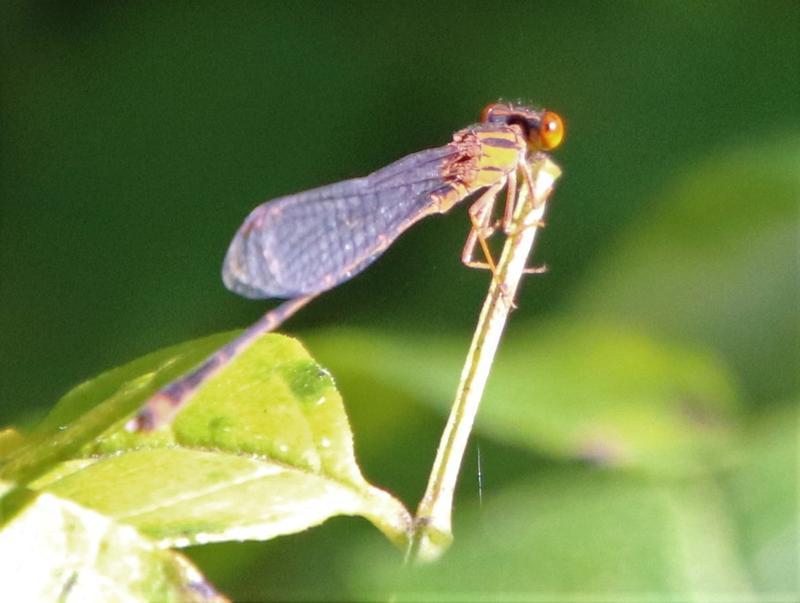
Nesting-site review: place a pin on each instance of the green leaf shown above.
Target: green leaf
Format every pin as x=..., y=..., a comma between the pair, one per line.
x=715, y=260
x=568, y=533
x=765, y=499
x=572, y=390
x=10, y=440
x=56, y=550
x=203, y=496
x=264, y=448
x=576, y=535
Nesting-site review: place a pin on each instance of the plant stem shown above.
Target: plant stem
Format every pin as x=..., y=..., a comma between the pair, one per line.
x=433, y=522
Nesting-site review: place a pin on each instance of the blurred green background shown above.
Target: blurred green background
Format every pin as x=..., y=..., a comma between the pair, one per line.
x=639, y=435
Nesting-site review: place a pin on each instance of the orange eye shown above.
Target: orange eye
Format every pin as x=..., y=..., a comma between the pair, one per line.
x=551, y=131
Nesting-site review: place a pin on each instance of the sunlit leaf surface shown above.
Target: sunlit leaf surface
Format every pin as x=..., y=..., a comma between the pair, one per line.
x=263, y=449
x=56, y=550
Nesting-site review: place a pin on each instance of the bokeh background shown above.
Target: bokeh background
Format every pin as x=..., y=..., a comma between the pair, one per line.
x=639, y=436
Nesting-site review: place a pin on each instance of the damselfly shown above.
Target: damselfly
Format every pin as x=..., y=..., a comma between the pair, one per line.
x=299, y=246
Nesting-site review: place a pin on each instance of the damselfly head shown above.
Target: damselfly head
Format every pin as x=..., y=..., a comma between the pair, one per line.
x=544, y=130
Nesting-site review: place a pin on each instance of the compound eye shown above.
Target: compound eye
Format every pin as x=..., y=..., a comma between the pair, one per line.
x=551, y=131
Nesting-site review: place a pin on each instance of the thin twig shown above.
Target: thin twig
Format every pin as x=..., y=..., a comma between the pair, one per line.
x=433, y=523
